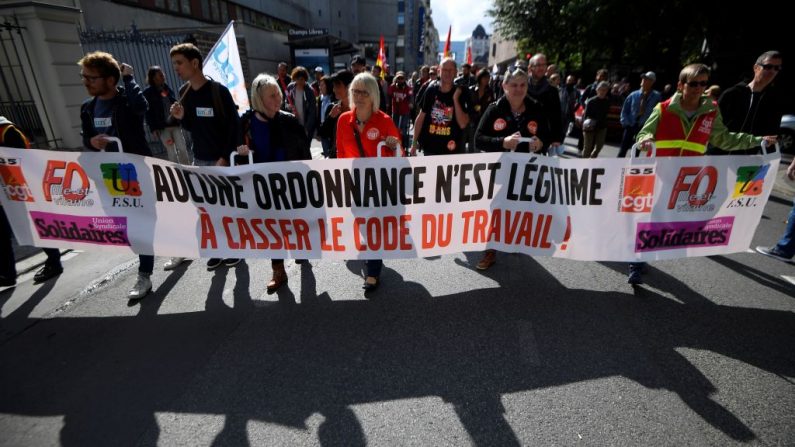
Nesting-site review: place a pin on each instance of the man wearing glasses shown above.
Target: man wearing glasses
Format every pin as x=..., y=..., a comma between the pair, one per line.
x=114, y=111
x=755, y=107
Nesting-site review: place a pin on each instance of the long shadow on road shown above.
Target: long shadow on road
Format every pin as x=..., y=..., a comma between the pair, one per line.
x=282, y=364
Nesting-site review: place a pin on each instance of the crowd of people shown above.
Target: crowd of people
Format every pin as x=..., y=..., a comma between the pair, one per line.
x=437, y=110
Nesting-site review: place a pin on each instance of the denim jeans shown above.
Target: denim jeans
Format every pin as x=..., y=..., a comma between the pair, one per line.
x=786, y=245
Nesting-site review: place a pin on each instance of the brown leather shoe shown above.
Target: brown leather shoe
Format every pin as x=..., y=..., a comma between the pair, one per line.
x=489, y=258
x=279, y=278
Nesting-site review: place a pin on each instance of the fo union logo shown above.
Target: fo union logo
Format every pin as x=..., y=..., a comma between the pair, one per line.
x=14, y=184
x=637, y=190
x=694, y=189
x=121, y=181
x=66, y=183
x=749, y=186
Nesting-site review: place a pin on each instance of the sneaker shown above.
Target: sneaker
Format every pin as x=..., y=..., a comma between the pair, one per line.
x=635, y=277
x=773, y=253
x=488, y=259
x=47, y=272
x=213, y=263
x=141, y=288
x=231, y=262
x=173, y=263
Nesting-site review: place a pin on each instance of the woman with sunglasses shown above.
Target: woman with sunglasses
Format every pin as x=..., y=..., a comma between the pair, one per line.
x=272, y=135
x=359, y=133
x=682, y=125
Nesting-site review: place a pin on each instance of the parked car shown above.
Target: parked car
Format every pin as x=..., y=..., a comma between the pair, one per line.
x=786, y=133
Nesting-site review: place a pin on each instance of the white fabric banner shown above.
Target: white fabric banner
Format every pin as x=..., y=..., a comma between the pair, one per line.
x=604, y=209
x=223, y=65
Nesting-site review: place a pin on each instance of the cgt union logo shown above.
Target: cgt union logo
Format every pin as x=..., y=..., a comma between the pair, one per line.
x=14, y=184
x=637, y=190
x=749, y=186
x=693, y=189
x=121, y=181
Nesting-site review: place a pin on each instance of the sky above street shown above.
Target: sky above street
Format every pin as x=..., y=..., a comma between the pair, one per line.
x=463, y=15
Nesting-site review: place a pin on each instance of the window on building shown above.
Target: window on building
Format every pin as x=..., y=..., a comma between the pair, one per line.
x=401, y=18
x=320, y=13
x=238, y=12
x=401, y=6
x=160, y=4
x=401, y=41
x=339, y=14
x=185, y=7
x=224, y=12
x=205, y=9
x=173, y=5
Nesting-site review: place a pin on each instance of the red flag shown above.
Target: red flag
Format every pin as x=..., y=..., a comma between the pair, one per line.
x=446, y=52
x=469, y=55
x=381, y=60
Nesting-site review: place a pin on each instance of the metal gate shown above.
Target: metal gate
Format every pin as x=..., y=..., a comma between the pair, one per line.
x=16, y=88
x=141, y=50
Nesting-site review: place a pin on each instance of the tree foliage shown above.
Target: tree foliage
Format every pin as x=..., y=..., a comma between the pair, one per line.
x=632, y=36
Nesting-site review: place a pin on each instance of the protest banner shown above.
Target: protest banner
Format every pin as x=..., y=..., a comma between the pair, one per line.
x=383, y=208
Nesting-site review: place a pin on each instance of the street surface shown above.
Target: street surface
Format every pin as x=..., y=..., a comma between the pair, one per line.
x=534, y=351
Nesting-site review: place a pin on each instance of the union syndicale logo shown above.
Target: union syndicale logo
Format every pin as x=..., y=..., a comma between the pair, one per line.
x=637, y=190
x=99, y=230
x=654, y=236
x=749, y=186
x=121, y=181
x=14, y=184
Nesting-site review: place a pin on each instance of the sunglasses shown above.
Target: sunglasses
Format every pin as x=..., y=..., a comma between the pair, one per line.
x=770, y=67
x=694, y=84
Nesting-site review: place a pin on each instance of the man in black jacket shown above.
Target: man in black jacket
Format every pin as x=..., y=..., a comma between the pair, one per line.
x=540, y=89
x=755, y=107
x=207, y=110
x=115, y=112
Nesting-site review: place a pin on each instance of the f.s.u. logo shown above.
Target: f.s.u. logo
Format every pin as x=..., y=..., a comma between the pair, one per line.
x=120, y=179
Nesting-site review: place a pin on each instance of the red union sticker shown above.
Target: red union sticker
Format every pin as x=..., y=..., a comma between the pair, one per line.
x=532, y=126
x=451, y=145
x=373, y=134
x=500, y=124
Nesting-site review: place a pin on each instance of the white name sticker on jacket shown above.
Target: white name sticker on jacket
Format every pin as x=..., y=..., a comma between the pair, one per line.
x=204, y=112
x=101, y=123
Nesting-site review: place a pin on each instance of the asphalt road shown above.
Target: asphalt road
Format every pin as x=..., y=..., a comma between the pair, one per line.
x=535, y=351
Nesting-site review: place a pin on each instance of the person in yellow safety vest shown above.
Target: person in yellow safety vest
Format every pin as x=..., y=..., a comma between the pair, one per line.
x=10, y=136
x=682, y=125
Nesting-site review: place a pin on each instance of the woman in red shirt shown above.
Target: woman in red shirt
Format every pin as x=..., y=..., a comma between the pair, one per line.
x=359, y=132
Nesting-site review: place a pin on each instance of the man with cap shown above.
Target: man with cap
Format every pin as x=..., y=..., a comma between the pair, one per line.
x=358, y=64
x=400, y=94
x=316, y=83
x=636, y=110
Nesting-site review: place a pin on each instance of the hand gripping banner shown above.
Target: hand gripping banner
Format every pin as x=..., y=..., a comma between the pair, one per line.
x=601, y=209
